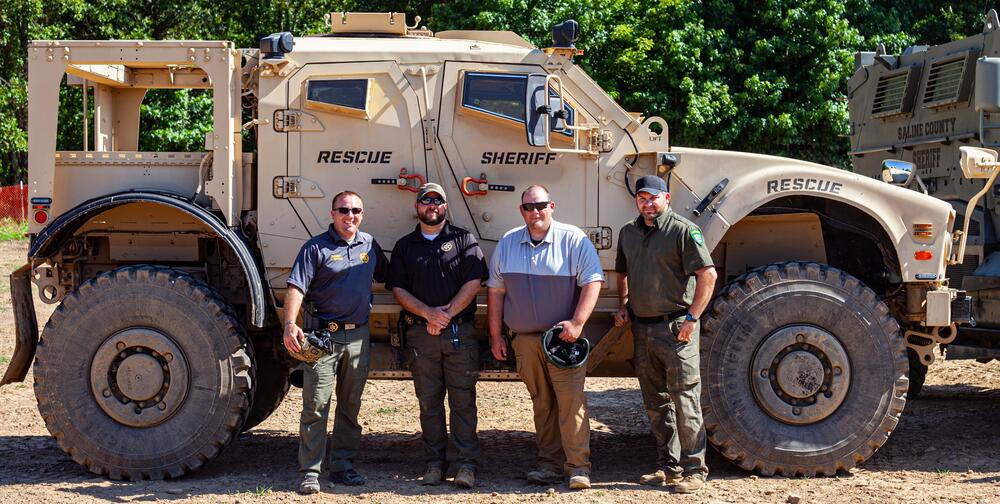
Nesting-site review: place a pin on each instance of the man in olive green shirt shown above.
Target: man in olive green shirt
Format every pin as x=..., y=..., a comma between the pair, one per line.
x=665, y=281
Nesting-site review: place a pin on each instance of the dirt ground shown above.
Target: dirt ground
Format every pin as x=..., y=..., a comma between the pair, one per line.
x=945, y=449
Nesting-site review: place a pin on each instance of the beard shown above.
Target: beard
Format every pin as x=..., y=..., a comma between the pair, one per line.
x=432, y=220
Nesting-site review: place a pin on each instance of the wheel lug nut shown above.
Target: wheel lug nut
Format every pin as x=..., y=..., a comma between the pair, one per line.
x=763, y=373
x=120, y=346
x=837, y=371
x=168, y=356
x=161, y=406
x=800, y=337
x=797, y=411
x=106, y=393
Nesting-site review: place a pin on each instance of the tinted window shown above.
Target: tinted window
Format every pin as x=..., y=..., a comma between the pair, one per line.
x=502, y=95
x=351, y=93
x=497, y=94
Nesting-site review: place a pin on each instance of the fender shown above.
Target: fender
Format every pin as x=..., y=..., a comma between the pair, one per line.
x=759, y=179
x=47, y=242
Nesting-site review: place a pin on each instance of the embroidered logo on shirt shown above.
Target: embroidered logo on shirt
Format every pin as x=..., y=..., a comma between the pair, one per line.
x=447, y=246
x=364, y=257
x=696, y=236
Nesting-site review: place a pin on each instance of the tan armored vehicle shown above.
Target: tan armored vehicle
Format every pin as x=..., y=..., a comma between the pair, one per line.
x=923, y=112
x=169, y=268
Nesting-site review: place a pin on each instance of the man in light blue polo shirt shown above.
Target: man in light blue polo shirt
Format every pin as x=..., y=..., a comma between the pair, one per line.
x=542, y=274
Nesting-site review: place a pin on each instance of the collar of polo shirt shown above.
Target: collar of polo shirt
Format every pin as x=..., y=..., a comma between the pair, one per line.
x=359, y=237
x=526, y=235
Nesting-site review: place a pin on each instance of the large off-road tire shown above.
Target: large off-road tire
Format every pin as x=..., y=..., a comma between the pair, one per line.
x=804, y=370
x=918, y=373
x=270, y=388
x=143, y=372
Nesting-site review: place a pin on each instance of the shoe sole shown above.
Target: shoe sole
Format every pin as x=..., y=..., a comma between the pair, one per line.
x=579, y=486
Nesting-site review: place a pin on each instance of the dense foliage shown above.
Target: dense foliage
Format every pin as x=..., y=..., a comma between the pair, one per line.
x=763, y=76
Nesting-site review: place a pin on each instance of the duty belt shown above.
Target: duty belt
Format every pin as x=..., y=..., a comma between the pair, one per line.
x=658, y=318
x=336, y=325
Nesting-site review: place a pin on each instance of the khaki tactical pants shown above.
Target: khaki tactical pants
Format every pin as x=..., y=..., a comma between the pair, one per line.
x=670, y=381
x=439, y=368
x=562, y=427
x=348, y=367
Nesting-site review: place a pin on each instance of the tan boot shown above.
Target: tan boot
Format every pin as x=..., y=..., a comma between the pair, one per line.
x=465, y=478
x=433, y=476
x=659, y=478
x=543, y=477
x=579, y=480
x=690, y=484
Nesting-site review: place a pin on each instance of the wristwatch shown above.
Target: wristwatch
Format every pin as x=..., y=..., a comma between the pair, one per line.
x=690, y=318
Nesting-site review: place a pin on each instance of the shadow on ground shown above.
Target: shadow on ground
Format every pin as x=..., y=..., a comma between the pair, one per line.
x=927, y=439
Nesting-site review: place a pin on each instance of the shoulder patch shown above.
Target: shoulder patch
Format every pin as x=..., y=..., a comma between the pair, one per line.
x=447, y=246
x=696, y=235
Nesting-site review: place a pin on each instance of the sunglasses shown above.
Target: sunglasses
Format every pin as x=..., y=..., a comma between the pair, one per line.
x=541, y=205
x=346, y=210
x=430, y=200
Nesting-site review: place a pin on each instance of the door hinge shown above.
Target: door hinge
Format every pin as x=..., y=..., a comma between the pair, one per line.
x=295, y=187
x=286, y=120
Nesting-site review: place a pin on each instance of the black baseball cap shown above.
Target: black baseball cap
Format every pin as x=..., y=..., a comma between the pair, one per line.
x=651, y=184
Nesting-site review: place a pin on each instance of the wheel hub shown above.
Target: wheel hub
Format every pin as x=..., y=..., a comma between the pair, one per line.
x=139, y=377
x=800, y=374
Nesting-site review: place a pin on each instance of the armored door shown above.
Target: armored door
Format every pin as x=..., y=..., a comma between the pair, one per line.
x=481, y=132
x=353, y=126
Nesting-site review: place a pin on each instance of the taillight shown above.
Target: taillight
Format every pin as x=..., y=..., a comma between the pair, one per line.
x=41, y=216
x=923, y=255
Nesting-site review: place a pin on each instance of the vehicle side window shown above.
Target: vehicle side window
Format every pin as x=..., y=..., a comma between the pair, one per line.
x=502, y=96
x=339, y=95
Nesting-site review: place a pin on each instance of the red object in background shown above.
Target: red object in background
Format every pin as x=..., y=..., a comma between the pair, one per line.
x=14, y=202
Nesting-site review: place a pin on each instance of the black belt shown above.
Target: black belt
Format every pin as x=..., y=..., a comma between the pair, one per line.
x=336, y=325
x=659, y=318
x=414, y=320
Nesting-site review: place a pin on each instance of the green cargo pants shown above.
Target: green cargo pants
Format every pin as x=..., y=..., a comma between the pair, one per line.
x=348, y=367
x=670, y=381
x=439, y=368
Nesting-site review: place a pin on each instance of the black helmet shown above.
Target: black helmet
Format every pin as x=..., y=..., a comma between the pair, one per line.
x=563, y=354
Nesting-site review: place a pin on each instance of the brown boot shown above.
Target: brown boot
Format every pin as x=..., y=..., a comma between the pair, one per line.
x=433, y=476
x=659, y=478
x=579, y=480
x=543, y=477
x=690, y=484
x=466, y=478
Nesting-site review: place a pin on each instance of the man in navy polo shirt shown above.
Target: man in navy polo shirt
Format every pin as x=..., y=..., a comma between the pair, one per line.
x=334, y=273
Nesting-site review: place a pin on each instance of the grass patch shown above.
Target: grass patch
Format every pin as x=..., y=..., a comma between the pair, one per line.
x=387, y=411
x=11, y=230
x=261, y=491
x=4, y=359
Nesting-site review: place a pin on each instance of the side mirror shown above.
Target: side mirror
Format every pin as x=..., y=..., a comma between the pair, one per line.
x=977, y=162
x=534, y=118
x=988, y=85
x=535, y=111
x=897, y=172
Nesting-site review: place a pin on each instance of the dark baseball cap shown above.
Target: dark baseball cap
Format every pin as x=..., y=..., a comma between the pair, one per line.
x=651, y=184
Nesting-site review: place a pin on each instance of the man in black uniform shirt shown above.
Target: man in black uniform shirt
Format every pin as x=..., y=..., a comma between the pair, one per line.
x=435, y=273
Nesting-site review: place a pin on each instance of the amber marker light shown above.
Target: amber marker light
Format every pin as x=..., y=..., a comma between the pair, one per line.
x=923, y=230
x=923, y=255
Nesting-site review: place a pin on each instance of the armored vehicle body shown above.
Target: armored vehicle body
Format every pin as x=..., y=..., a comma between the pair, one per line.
x=925, y=107
x=169, y=268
